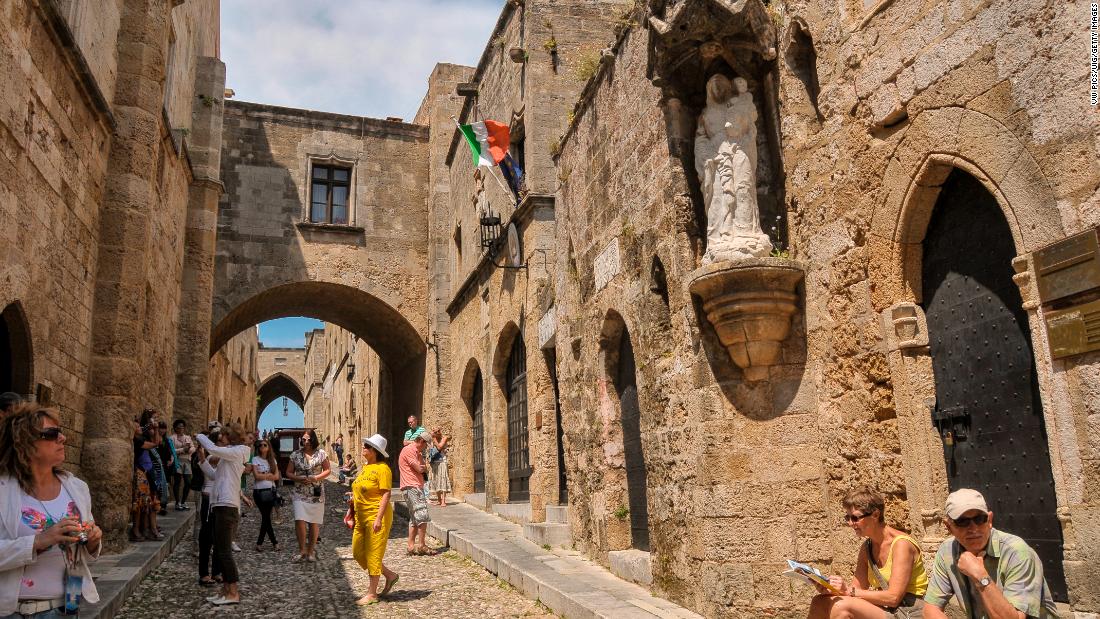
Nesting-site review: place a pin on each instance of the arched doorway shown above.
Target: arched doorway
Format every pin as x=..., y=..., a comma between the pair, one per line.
x=519, y=462
x=477, y=426
x=988, y=410
x=15, y=351
x=626, y=386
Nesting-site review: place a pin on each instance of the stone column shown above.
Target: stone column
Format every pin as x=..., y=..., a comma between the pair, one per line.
x=116, y=368
x=204, y=148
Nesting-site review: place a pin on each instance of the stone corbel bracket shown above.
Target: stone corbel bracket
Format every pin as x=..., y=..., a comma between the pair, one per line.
x=750, y=304
x=904, y=327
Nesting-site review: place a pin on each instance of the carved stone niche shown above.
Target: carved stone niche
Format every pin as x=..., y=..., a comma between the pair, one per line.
x=750, y=304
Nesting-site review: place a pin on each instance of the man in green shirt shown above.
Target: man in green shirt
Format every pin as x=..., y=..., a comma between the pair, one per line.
x=993, y=574
x=414, y=429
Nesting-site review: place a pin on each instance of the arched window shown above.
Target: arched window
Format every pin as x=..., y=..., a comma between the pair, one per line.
x=519, y=462
x=15, y=351
x=626, y=385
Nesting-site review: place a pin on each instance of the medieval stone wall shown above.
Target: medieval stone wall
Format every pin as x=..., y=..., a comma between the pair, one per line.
x=742, y=475
x=234, y=378
x=53, y=167
x=346, y=397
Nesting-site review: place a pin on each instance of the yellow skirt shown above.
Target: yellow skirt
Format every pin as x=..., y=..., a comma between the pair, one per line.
x=369, y=547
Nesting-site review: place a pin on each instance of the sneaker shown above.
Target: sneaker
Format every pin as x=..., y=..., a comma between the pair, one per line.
x=236, y=548
x=185, y=506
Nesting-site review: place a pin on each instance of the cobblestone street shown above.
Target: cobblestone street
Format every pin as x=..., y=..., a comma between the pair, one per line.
x=441, y=585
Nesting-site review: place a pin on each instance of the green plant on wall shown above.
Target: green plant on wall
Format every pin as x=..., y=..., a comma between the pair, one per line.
x=550, y=44
x=621, y=513
x=587, y=66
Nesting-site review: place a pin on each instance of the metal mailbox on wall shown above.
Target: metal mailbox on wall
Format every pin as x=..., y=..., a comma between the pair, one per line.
x=1068, y=275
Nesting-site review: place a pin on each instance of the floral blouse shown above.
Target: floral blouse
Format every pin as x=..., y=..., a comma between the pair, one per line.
x=308, y=465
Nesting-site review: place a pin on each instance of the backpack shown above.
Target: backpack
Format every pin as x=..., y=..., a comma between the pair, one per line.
x=198, y=478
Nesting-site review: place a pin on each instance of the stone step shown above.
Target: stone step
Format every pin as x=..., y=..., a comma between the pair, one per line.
x=557, y=514
x=519, y=513
x=632, y=565
x=548, y=534
x=476, y=499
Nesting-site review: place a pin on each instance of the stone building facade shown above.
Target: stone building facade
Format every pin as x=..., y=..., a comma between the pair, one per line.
x=348, y=388
x=889, y=135
x=107, y=142
x=282, y=374
x=234, y=380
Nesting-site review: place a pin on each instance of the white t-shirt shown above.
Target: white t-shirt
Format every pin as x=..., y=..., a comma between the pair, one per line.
x=45, y=578
x=227, y=478
x=260, y=465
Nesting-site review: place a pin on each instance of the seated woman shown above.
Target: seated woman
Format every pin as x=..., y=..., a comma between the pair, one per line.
x=890, y=580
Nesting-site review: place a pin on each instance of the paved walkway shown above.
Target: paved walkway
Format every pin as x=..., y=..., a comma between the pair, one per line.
x=443, y=585
x=563, y=580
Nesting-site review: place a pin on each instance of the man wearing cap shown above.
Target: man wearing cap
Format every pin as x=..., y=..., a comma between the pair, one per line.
x=993, y=574
x=411, y=466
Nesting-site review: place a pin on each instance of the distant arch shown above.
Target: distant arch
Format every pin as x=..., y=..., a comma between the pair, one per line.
x=278, y=385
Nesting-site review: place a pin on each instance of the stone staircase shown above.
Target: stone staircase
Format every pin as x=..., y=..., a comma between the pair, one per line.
x=554, y=532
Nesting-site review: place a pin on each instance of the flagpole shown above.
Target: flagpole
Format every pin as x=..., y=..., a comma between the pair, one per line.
x=507, y=192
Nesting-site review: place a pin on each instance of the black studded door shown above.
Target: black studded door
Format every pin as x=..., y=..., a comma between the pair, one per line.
x=477, y=411
x=988, y=411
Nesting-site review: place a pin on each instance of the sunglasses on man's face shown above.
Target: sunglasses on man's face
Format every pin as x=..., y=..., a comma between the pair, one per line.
x=50, y=434
x=965, y=522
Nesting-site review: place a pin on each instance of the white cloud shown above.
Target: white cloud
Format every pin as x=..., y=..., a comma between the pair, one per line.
x=361, y=57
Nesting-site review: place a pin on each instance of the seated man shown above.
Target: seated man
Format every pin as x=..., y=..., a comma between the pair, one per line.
x=993, y=574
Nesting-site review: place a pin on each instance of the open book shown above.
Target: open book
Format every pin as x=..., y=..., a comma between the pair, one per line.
x=805, y=573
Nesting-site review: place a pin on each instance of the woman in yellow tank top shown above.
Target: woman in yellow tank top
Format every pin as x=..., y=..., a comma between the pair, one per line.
x=890, y=580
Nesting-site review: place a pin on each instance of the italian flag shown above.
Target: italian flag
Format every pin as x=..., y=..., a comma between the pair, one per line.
x=488, y=141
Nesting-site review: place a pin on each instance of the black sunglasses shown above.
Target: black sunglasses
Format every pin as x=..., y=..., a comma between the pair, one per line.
x=963, y=523
x=50, y=434
x=855, y=518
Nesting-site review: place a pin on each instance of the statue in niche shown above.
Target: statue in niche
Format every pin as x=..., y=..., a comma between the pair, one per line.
x=725, y=160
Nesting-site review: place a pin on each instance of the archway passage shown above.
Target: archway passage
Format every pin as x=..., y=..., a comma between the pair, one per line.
x=399, y=346
x=277, y=386
x=15, y=351
x=988, y=410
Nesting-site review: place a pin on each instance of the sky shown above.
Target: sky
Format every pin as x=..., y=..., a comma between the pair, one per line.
x=287, y=332
x=272, y=416
x=360, y=57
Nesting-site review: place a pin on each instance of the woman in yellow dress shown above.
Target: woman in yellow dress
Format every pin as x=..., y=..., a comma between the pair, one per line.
x=370, y=515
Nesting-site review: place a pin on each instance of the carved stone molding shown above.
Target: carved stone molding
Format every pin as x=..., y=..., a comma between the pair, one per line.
x=1025, y=279
x=750, y=304
x=904, y=326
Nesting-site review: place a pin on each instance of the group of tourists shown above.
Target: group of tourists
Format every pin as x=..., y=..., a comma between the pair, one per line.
x=991, y=573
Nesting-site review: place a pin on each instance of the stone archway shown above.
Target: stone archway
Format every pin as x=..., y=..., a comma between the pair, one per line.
x=471, y=426
x=278, y=385
x=937, y=143
x=398, y=344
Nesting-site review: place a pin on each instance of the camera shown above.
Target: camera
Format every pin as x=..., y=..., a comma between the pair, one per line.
x=317, y=491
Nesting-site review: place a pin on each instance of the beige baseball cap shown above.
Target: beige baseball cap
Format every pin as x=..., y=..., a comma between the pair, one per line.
x=963, y=500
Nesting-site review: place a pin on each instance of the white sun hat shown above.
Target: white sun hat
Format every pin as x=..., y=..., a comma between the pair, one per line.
x=378, y=442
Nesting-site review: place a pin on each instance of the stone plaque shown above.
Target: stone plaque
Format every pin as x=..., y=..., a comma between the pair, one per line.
x=607, y=264
x=1074, y=330
x=548, y=326
x=1068, y=267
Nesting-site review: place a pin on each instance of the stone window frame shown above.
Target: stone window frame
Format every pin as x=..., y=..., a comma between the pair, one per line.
x=333, y=160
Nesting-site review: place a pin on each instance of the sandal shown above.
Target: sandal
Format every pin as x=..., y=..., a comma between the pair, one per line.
x=207, y=581
x=425, y=551
x=367, y=600
x=390, y=582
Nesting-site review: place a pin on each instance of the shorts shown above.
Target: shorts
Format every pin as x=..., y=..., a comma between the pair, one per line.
x=418, y=506
x=911, y=608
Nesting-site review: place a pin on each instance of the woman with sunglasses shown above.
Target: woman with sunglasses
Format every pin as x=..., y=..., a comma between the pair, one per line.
x=265, y=471
x=370, y=516
x=890, y=581
x=308, y=468
x=47, y=533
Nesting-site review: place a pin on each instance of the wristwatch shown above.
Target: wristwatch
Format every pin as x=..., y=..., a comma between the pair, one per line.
x=984, y=582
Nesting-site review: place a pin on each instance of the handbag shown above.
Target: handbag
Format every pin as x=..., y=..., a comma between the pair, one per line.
x=266, y=495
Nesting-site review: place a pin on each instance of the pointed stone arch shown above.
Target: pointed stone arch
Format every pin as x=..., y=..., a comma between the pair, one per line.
x=275, y=386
